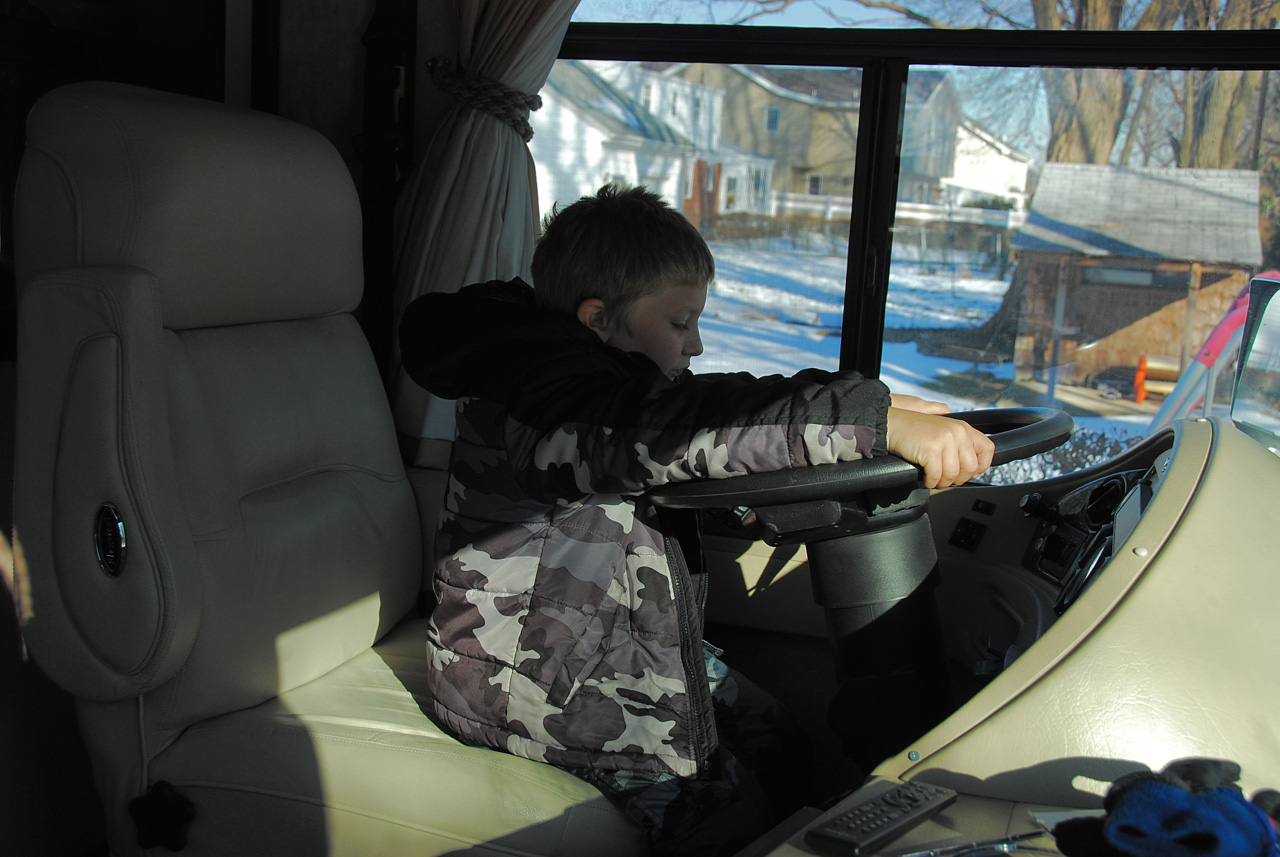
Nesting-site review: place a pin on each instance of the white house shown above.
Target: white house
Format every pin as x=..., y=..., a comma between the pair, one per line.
x=987, y=167
x=725, y=178
x=588, y=134
x=618, y=122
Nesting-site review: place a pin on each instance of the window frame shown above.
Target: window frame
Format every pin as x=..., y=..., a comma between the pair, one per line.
x=886, y=56
x=772, y=119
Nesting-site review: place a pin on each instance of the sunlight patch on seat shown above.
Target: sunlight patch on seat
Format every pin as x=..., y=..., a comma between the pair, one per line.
x=306, y=651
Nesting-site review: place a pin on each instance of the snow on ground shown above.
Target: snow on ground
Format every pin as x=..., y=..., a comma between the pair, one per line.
x=921, y=299
x=777, y=311
x=781, y=310
x=808, y=288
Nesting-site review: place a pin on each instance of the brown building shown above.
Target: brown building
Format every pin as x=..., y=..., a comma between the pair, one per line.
x=1120, y=263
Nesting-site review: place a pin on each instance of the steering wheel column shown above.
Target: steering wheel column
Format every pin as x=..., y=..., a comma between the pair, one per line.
x=872, y=566
x=884, y=630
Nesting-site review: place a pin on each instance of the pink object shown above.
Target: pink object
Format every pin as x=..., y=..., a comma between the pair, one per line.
x=1234, y=317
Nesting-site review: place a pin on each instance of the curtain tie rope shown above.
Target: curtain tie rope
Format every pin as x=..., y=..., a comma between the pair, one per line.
x=489, y=96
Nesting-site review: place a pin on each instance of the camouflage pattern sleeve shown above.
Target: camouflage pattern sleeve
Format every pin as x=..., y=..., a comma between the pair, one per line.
x=627, y=435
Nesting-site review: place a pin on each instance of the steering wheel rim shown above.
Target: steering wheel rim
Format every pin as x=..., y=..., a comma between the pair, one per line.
x=1020, y=432
x=1017, y=433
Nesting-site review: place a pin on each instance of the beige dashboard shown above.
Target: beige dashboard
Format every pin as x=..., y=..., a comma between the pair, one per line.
x=1163, y=657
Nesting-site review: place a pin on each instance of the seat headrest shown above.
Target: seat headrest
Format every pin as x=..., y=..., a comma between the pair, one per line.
x=241, y=216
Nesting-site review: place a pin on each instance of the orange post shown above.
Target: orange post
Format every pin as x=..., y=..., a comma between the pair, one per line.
x=1140, y=381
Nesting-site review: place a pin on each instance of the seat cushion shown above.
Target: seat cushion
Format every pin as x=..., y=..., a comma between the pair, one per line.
x=350, y=764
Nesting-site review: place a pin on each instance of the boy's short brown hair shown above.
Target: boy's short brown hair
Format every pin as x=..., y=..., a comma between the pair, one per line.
x=619, y=245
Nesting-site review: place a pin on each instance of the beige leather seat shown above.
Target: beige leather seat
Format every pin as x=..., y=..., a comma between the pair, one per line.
x=225, y=549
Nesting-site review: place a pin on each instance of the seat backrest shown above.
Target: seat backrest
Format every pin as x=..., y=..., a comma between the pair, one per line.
x=209, y=488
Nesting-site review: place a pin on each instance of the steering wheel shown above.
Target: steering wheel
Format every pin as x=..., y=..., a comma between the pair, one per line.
x=1017, y=433
x=871, y=555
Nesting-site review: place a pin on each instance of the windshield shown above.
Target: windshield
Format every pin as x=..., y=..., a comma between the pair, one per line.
x=985, y=234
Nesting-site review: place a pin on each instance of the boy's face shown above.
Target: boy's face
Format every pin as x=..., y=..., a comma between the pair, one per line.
x=662, y=326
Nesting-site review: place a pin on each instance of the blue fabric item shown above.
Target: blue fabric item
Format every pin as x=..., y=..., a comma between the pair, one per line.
x=1152, y=818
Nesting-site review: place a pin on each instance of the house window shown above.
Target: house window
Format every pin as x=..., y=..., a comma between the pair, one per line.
x=697, y=108
x=646, y=96
x=1118, y=277
x=730, y=193
x=772, y=120
x=815, y=184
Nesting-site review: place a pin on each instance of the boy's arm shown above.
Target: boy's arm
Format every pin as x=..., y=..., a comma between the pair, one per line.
x=716, y=426
x=587, y=418
x=625, y=429
x=633, y=431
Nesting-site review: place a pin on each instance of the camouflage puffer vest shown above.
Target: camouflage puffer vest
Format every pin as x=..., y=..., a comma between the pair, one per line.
x=568, y=626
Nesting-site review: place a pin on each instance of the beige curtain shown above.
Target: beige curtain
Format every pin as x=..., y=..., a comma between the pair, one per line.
x=469, y=212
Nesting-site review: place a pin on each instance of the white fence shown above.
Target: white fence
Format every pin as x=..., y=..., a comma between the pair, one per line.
x=831, y=207
x=819, y=207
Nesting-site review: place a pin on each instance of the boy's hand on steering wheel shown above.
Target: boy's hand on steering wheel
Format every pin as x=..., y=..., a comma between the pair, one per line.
x=951, y=451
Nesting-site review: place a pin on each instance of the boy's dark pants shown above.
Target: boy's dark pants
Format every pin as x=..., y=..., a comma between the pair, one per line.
x=756, y=778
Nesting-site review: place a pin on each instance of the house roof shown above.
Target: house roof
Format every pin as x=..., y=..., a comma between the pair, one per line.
x=1152, y=212
x=823, y=85
x=995, y=142
x=599, y=102
x=836, y=86
x=816, y=85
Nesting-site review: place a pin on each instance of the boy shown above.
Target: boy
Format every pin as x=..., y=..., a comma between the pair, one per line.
x=569, y=621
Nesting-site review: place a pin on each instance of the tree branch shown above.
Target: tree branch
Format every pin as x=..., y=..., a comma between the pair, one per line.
x=905, y=11
x=994, y=13
x=765, y=7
